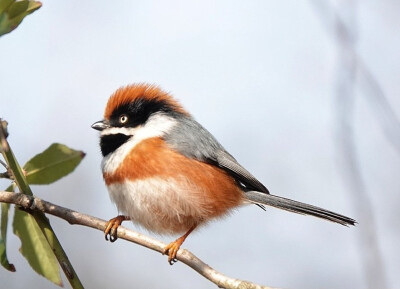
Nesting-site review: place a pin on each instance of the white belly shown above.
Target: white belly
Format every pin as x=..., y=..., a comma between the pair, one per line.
x=161, y=206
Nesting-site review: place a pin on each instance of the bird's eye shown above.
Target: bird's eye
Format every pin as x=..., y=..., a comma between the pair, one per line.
x=123, y=119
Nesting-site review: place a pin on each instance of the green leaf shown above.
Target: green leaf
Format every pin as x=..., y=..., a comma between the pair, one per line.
x=13, y=12
x=3, y=233
x=4, y=4
x=35, y=248
x=54, y=163
x=17, y=8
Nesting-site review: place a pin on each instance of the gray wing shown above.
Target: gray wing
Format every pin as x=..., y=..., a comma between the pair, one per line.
x=192, y=140
x=229, y=164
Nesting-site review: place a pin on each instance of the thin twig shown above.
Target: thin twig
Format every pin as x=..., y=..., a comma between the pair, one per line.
x=373, y=91
x=31, y=203
x=6, y=174
x=3, y=164
x=341, y=23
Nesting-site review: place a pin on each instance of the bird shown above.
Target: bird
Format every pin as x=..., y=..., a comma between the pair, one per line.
x=168, y=174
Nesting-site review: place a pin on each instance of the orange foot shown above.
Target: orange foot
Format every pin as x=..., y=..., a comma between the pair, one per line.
x=112, y=226
x=172, y=248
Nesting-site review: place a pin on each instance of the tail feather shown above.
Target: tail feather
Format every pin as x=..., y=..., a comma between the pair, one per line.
x=297, y=207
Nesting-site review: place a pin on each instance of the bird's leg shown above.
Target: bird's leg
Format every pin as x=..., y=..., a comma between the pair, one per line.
x=112, y=226
x=173, y=247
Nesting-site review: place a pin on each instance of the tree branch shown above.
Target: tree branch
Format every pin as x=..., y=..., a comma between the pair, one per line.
x=31, y=203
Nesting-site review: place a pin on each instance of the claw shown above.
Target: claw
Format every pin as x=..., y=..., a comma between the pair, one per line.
x=111, y=228
x=172, y=248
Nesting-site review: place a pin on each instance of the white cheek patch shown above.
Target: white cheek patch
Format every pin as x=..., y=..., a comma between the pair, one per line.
x=156, y=126
x=117, y=130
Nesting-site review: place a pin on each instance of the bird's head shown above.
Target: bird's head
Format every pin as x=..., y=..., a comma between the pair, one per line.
x=138, y=110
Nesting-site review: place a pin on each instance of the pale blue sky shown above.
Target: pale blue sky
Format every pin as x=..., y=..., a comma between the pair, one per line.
x=260, y=76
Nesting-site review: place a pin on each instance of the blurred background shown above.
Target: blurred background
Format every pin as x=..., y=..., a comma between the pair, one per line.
x=305, y=94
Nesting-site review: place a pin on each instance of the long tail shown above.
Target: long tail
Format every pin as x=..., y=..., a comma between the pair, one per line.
x=297, y=207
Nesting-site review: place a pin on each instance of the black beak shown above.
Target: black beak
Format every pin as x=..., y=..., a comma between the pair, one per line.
x=100, y=125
